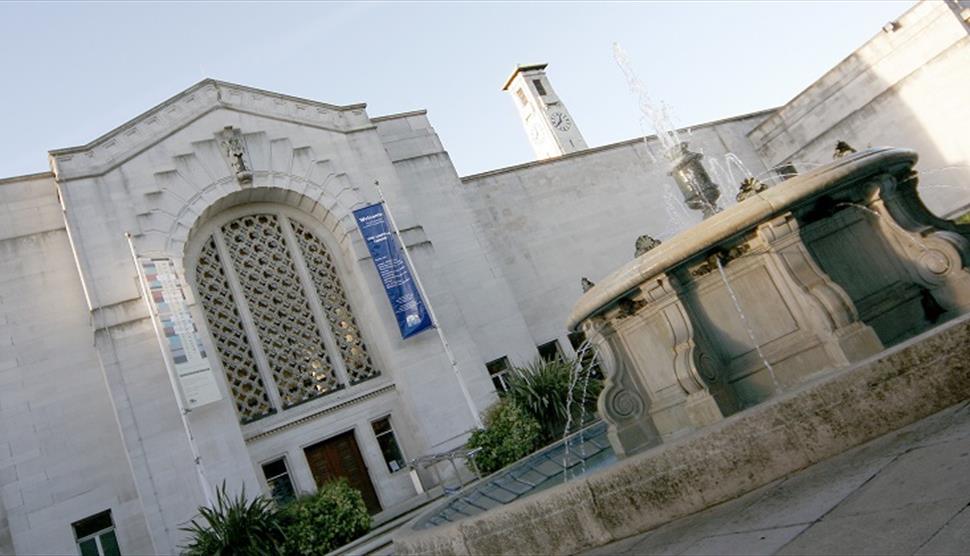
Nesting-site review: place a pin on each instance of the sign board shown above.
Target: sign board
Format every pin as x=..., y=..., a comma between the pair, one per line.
x=409, y=308
x=177, y=333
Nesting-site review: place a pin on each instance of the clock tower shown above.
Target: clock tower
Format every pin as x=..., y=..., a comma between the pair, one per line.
x=551, y=130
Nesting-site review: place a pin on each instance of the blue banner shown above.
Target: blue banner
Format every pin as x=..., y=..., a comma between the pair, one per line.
x=409, y=309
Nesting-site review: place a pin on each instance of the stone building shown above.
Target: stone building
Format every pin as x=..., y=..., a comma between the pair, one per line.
x=243, y=199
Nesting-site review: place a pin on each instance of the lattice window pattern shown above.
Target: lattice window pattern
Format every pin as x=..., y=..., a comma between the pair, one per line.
x=345, y=330
x=226, y=326
x=281, y=313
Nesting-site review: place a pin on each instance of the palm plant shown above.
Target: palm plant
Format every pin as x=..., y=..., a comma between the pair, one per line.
x=541, y=389
x=235, y=527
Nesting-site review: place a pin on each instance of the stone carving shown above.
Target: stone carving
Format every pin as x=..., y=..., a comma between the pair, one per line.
x=586, y=284
x=621, y=402
x=232, y=144
x=644, y=244
x=749, y=188
x=710, y=263
x=842, y=149
x=629, y=306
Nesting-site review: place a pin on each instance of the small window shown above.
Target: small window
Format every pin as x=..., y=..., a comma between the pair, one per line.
x=785, y=171
x=96, y=535
x=519, y=93
x=499, y=371
x=388, y=443
x=550, y=351
x=278, y=479
x=539, y=88
x=588, y=358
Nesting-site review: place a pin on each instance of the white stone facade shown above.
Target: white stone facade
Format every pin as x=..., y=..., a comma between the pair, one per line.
x=88, y=417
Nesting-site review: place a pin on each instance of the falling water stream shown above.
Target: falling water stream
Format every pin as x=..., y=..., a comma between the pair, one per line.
x=579, y=369
x=746, y=324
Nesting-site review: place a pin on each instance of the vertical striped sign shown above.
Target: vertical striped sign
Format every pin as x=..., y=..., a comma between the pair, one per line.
x=177, y=333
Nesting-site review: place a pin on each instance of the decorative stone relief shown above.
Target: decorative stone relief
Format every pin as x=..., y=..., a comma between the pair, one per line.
x=685, y=352
x=783, y=237
x=234, y=148
x=644, y=244
x=842, y=149
x=621, y=402
x=710, y=262
x=749, y=188
x=937, y=249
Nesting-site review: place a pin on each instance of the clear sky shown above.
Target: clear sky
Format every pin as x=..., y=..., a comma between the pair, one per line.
x=73, y=71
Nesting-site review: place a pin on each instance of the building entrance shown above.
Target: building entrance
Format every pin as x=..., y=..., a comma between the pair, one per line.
x=340, y=457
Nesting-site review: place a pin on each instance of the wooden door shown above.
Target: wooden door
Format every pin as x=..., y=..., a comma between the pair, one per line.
x=340, y=457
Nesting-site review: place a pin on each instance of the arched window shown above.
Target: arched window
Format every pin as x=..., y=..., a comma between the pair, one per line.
x=278, y=314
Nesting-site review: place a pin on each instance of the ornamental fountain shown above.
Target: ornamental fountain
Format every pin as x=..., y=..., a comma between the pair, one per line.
x=813, y=275
x=785, y=298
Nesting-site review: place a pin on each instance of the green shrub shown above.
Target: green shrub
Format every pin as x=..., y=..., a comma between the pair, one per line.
x=235, y=526
x=509, y=435
x=963, y=219
x=318, y=523
x=542, y=389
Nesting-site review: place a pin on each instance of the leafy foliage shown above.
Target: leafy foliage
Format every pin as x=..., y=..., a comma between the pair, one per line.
x=311, y=525
x=963, y=219
x=319, y=523
x=235, y=527
x=542, y=389
x=509, y=435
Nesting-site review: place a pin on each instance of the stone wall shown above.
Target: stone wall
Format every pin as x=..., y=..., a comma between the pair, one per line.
x=544, y=225
x=61, y=455
x=906, y=87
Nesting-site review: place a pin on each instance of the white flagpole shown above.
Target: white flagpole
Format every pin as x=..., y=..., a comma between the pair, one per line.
x=427, y=303
x=183, y=411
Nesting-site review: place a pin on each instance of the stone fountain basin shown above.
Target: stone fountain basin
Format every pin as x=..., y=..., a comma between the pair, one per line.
x=818, y=420
x=810, y=276
x=838, y=180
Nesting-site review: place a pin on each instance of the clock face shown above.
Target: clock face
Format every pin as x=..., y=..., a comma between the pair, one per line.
x=560, y=121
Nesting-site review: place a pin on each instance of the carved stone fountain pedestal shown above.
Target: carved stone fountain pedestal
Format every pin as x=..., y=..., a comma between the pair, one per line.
x=826, y=269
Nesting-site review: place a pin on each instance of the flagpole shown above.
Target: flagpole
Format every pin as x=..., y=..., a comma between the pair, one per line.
x=183, y=411
x=427, y=302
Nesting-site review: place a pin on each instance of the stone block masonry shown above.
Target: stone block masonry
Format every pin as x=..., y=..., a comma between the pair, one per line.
x=817, y=421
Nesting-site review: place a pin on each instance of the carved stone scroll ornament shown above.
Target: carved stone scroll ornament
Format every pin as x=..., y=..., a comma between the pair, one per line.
x=234, y=148
x=938, y=257
x=621, y=403
x=644, y=244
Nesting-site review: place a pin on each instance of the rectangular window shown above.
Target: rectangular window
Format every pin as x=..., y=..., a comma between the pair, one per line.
x=499, y=371
x=521, y=95
x=785, y=171
x=539, y=88
x=96, y=535
x=278, y=478
x=550, y=351
x=388, y=443
x=589, y=359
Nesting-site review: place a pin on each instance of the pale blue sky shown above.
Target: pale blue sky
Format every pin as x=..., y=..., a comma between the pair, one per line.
x=73, y=71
